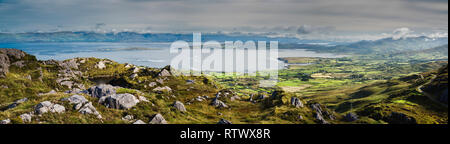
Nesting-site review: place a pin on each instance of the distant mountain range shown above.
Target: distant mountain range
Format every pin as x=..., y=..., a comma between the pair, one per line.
x=382, y=46
x=84, y=36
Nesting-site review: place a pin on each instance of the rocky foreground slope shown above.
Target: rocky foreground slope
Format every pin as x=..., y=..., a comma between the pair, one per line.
x=92, y=91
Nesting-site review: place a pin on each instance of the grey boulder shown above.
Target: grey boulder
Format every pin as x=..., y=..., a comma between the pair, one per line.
x=119, y=101
x=179, y=106
x=102, y=90
x=158, y=119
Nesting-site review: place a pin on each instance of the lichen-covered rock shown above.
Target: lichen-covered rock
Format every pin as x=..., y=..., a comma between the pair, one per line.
x=158, y=119
x=218, y=103
x=26, y=118
x=400, y=118
x=119, y=101
x=88, y=108
x=75, y=99
x=224, y=121
x=164, y=73
x=296, y=102
x=233, y=98
x=100, y=65
x=152, y=84
x=320, y=119
x=102, y=90
x=47, y=106
x=351, y=117
x=16, y=103
x=139, y=122
x=6, y=121
x=179, y=106
x=162, y=89
x=128, y=118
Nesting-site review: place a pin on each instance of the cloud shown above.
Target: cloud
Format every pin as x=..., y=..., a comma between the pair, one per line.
x=401, y=33
x=307, y=29
x=322, y=17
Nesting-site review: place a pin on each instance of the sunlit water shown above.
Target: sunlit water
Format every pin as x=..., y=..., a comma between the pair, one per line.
x=144, y=54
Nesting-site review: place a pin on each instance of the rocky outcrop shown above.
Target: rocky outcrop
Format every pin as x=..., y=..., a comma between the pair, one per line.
x=82, y=105
x=224, y=121
x=233, y=98
x=75, y=99
x=88, y=108
x=139, y=122
x=218, y=103
x=47, y=106
x=119, y=101
x=161, y=90
x=400, y=118
x=6, y=121
x=158, y=119
x=296, y=102
x=320, y=114
x=179, y=106
x=16, y=103
x=165, y=72
x=8, y=56
x=26, y=118
x=320, y=119
x=100, y=65
x=351, y=117
x=102, y=90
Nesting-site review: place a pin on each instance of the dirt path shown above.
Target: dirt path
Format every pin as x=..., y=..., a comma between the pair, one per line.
x=419, y=89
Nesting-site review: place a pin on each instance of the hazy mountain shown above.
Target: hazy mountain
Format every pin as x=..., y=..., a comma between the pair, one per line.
x=83, y=36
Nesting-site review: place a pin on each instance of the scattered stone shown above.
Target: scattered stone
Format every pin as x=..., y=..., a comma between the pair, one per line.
x=219, y=113
x=152, y=84
x=296, y=102
x=142, y=98
x=351, y=117
x=136, y=70
x=400, y=118
x=128, y=118
x=218, y=104
x=6, y=121
x=119, y=101
x=75, y=99
x=16, y=103
x=200, y=98
x=233, y=98
x=47, y=106
x=190, y=81
x=158, y=119
x=316, y=107
x=49, y=93
x=133, y=76
x=162, y=89
x=159, y=80
x=320, y=118
x=102, y=90
x=164, y=73
x=76, y=91
x=139, y=122
x=19, y=64
x=179, y=106
x=224, y=121
x=90, y=109
x=26, y=118
x=100, y=65
x=262, y=96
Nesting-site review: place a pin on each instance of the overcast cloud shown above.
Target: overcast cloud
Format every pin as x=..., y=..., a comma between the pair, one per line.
x=299, y=17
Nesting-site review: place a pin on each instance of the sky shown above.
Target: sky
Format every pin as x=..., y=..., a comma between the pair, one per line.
x=313, y=19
